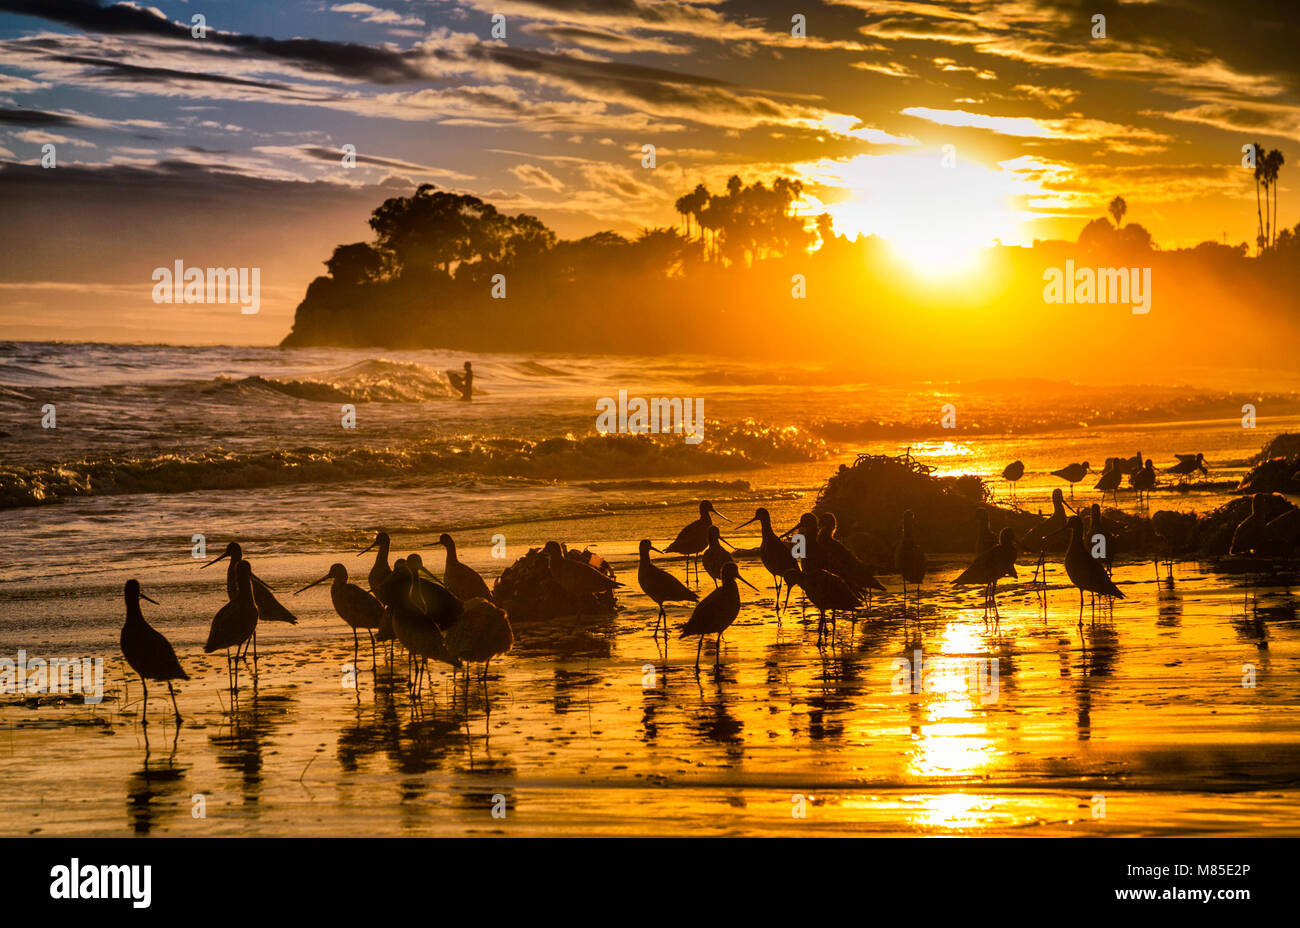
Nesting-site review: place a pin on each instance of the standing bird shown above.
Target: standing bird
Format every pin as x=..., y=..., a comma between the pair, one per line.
x=414, y=623
x=661, y=586
x=430, y=596
x=909, y=560
x=827, y=591
x=380, y=571
x=481, y=633
x=354, y=605
x=694, y=538
x=1111, y=478
x=578, y=580
x=1144, y=480
x=1132, y=465
x=146, y=650
x=991, y=565
x=1073, y=473
x=269, y=609
x=1012, y=473
x=1177, y=534
x=463, y=581
x=715, y=555
x=1189, y=464
x=1097, y=525
x=717, y=611
x=1251, y=536
x=1054, y=525
x=235, y=622
x=840, y=560
x=774, y=554
x=1085, y=571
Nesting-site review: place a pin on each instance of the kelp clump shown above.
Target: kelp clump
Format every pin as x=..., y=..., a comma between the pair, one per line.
x=869, y=496
x=529, y=592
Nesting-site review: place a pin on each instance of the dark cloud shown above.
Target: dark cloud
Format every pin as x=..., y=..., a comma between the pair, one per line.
x=343, y=59
x=21, y=116
x=104, y=67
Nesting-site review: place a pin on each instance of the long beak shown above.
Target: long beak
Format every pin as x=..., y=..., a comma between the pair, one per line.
x=148, y=599
x=727, y=543
x=747, y=583
x=653, y=548
x=213, y=561
x=724, y=518
x=743, y=524
x=371, y=548
x=310, y=585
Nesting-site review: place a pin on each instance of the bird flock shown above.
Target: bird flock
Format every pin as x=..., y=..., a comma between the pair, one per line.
x=454, y=620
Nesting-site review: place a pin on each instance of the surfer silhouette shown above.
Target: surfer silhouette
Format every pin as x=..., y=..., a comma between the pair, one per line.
x=464, y=382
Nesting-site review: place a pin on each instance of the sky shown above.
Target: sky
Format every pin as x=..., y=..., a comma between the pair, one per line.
x=937, y=125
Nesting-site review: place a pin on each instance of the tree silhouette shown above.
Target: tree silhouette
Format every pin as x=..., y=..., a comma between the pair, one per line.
x=1260, y=171
x=1117, y=210
x=1273, y=162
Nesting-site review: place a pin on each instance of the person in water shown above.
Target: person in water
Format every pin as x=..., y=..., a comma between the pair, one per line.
x=463, y=382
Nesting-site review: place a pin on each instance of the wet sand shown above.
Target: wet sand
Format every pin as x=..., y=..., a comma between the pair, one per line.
x=1136, y=724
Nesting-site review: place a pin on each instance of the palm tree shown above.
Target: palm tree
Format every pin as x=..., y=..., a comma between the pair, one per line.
x=1273, y=165
x=1117, y=210
x=1259, y=176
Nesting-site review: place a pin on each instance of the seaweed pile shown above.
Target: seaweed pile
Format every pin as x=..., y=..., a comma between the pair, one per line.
x=529, y=592
x=1277, y=467
x=869, y=496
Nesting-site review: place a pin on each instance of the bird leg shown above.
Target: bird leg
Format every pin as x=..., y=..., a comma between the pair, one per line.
x=698, y=649
x=144, y=713
x=174, y=706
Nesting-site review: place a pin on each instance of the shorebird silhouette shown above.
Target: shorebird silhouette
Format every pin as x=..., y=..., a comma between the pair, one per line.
x=909, y=560
x=463, y=581
x=235, y=623
x=1012, y=473
x=147, y=650
x=660, y=585
x=991, y=565
x=772, y=551
x=715, y=555
x=1072, y=473
x=694, y=538
x=1085, y=571
x=357, y=607
x=717, y=611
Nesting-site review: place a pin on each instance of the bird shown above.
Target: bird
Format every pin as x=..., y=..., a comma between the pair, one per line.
x=715, y=555
x=772, y=551
x=717, y=611
x=1085, y=571
x=236, y=621
x=413, y=624
x=579, y=580
x=984, y=537
x=1073, y=473
x=694, y=538
x=1111, y=477
x=463, y=581
x=357, y=607
x=1189, y=464
x=481, y=633
x=827, y=591
x=1144, y=480
x=1012, y=473
x=1132, y=465
x=660, y=585
x=1097, y=525
x=991, y=565
x=1251, y=536
x=1054, y=525
x=147, y=651
x=1177, y=534
x=840, y=560
x=380, y=571
x=430, y=596
x=909, y=559
x=268, y=607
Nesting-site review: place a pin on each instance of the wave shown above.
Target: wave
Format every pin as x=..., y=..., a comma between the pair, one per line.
x=370, y=381
x=596, y=457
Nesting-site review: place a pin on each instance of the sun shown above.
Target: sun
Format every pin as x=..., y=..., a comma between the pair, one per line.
x=938, y=214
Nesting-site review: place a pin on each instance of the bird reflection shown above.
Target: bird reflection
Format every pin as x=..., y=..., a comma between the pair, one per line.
x=153, y=793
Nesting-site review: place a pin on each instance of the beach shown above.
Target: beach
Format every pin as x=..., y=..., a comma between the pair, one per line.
x=1137, y=722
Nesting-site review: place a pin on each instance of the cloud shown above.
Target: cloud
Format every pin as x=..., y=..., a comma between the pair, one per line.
x=532, y=176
